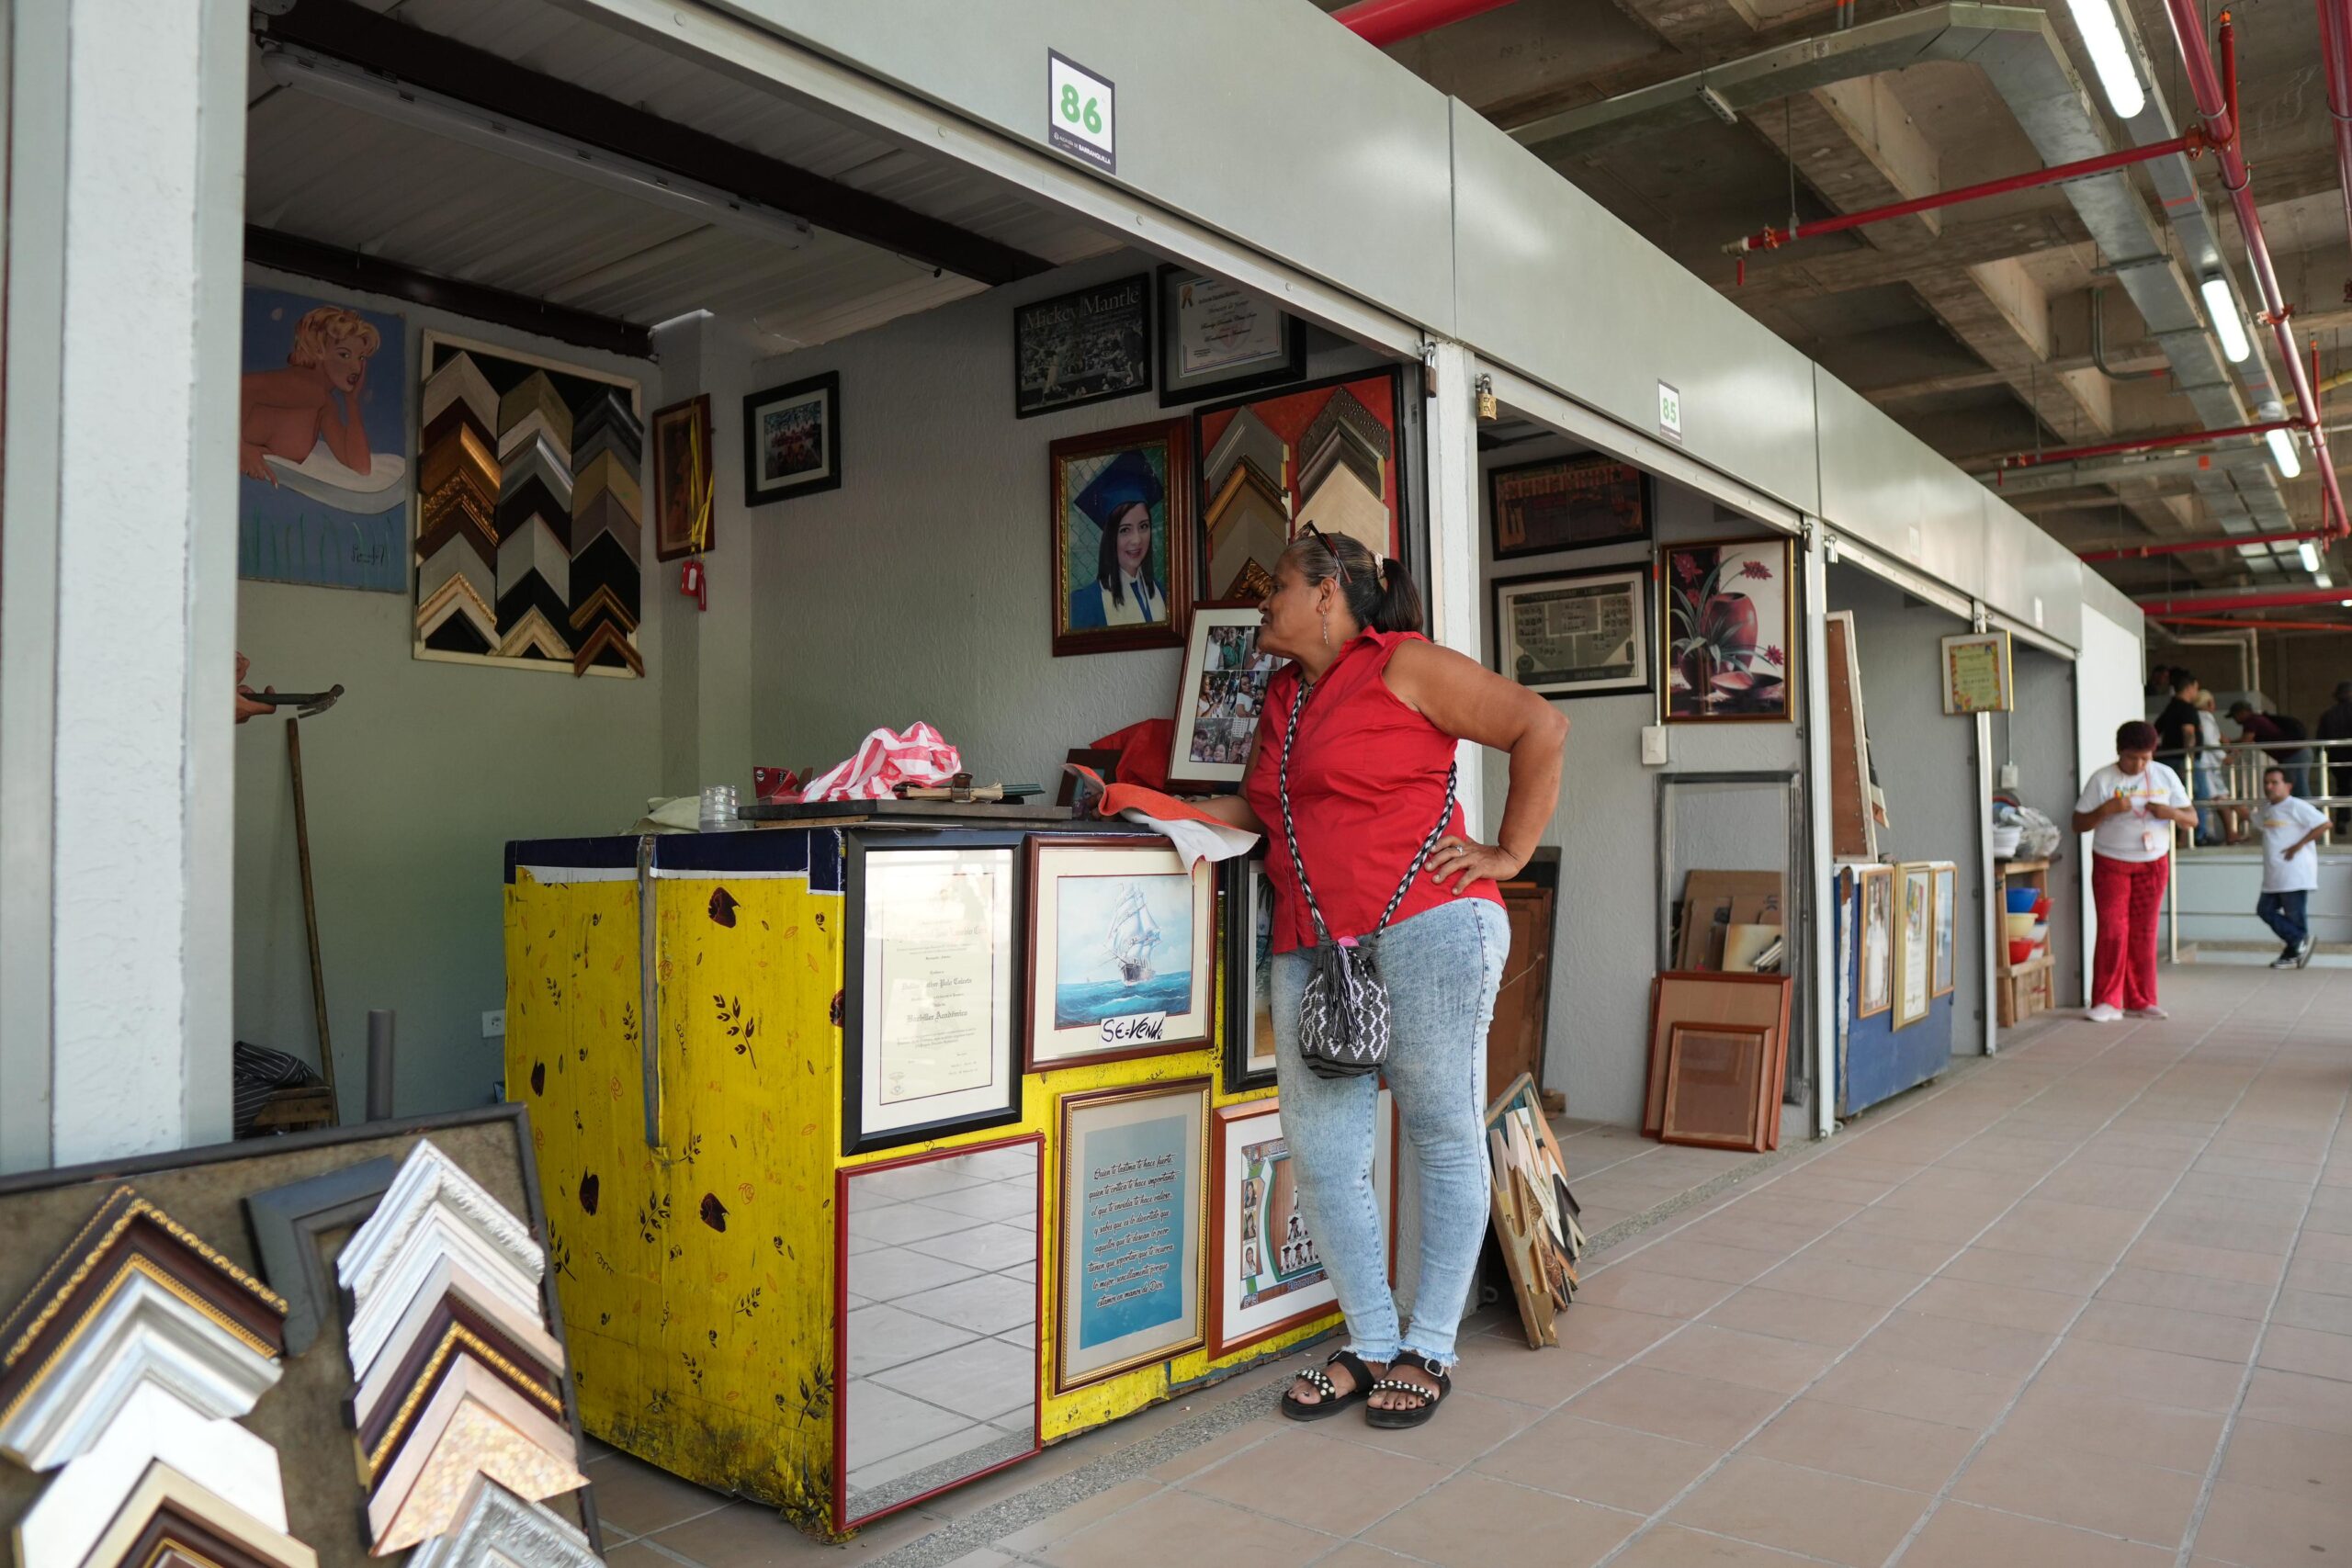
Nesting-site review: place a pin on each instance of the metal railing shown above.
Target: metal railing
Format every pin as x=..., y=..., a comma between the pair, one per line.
x=2225, y=782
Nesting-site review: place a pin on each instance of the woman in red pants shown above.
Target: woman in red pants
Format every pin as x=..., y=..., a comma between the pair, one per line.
x=2128, y=808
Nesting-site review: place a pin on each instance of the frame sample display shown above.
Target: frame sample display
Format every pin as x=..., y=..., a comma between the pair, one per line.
x=921, y=1403
x=1947, y=913
x=1330, y=453
x=1129, y=1230
x=1566, y=503
x=1219, y=698
x=1534, y=1213
x=1122, y=950
x=1729, y=631
x=931, y=989
x=529, y=519
x=1083, y=347
x=1265, y=1276
x=792, y=440
x=1218, y=337
x=1914, y=937
x=1248, y=898
x=1874, y=959
x=1120, y=515
x=1574, y=634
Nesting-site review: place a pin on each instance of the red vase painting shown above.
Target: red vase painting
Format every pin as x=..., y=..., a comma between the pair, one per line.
x=1728, y=630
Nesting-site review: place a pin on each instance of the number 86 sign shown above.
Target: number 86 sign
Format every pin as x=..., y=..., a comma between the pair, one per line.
x=1078, y=112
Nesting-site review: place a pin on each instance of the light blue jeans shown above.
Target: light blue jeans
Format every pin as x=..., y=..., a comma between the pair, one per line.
x=1441, y=969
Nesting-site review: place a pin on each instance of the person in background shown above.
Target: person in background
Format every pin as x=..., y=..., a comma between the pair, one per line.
x=2276, y=733
x=2177, y=733
x=2290, y=866
x=2336, y=724
x=2216, y=824
x=2128, y=808
x=2159, y=687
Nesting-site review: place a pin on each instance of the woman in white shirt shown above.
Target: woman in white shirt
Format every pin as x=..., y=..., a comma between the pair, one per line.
x=2217, y=824
x=2129, y=807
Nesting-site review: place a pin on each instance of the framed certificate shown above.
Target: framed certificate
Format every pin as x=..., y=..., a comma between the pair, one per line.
x=1128, y=1229
x=1218, y=337
x=931, y=988
x=1574, y=634
x=1122, y=950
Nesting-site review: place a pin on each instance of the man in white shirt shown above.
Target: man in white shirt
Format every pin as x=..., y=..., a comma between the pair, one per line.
x=2128, y=808
x=2291, y=827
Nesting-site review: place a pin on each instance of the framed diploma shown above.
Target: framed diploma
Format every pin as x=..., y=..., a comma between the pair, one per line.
x=1574, y=634
x=929, y=994
x=1218, y=337
x=1122, y=950
x=1128, y=1229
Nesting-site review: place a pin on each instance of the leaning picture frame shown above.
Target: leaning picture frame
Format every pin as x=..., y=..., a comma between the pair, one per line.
x=1121, y=943
x=931, y=1003
x=1947, y=906
x=1247, y=896
x=1914, y=899
x=792, y=440
x=1220, y=697
x=1874, y=942
x=1265, y=1276
x=1129, y=1221
x=1574, y=634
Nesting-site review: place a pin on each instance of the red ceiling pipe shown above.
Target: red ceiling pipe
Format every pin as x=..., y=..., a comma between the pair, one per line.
x=2215, y=107
x=2252, y=599
x=2228, y=625
x=2201, y=547
x=2144, y=443
x=1383, y=22
x=2336, y=59
x=2191, y=142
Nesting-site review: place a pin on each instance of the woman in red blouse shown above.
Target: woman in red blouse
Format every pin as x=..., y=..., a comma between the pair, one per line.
x=1369, y=776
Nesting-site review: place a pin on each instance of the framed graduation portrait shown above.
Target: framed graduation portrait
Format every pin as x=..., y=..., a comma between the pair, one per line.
x=1121, y=514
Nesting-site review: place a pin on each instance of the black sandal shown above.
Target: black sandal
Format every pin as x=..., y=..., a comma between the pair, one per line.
x=1333, y=1401
x=1430, y=1399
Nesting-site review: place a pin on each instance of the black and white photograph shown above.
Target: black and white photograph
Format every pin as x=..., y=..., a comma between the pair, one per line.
x=1081, y=348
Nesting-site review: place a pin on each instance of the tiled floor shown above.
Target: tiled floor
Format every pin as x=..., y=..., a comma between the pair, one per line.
x=2090, y=1304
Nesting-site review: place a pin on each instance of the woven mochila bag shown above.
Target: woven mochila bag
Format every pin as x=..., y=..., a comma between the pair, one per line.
x=1343, y=1019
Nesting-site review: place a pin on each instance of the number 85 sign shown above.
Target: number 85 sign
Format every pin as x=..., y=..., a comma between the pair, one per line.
x=1077, y=112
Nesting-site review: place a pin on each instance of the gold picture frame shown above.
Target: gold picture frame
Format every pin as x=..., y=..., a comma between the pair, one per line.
x=1914, y=941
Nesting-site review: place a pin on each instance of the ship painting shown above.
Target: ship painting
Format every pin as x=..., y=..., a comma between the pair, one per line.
x=1123, y=948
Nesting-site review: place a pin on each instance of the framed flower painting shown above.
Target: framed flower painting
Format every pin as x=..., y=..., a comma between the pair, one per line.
x=1729, y=629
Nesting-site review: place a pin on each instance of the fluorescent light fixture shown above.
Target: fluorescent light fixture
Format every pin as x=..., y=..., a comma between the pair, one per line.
x=324, y=76
x=2310, y=552
x=2283, y=453
x=2221, y=309
x=2110, y=57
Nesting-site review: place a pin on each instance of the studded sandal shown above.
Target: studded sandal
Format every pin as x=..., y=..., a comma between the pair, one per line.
x=1333, y=1401
x=1430, y=1398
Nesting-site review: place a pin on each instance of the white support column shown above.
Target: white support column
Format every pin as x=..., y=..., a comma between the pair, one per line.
x=1454, y=594
x=127, y=146
x=1823, y=1014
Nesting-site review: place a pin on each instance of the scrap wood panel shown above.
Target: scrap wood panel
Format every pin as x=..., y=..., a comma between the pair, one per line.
x=529, y=512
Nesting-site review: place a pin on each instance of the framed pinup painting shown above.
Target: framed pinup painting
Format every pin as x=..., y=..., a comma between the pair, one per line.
x=1121, y=510
x=1914, y=943
x=1127, y=1230
x=1574, y=634
x=1566, y=503
x=1218, y=338
x=1219, y=700
x=1729, y=631
x=1248, y=968
x=1122, y=950
x=792, y=440
x=682, y=479
x=1081, y=348
x=1266, y=1276
x=1874, y=985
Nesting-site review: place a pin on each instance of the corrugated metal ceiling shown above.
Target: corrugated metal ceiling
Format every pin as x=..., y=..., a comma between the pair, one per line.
x=339, y=176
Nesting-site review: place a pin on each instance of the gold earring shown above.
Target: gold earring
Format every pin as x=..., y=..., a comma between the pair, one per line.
x=1326, y=629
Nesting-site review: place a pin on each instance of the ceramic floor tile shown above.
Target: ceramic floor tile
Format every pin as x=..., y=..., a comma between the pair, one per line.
x=1780, y=1366
x=1471, y=1424
x=1821, y=1515
x=1631, y=1288
x=2041, y=1312
x=2192, y=1382
x=1959, y=1536
x=1672, y=1545
x=1613, y=1332
x=2209, y=1335
x=1671, y=1404
x=2307, y=1351
x=2118, y=1425
x=1816, y=1320
x=1974, y=1400
x=882, y=1421
x=1319, y=1481
x=2297, y=1459
x=1475, y=1521
x=890, y=1273
x=2314, y=1310
x=2259, y=1526
x=1612, y=1466
x=1032, y=1539
x=1841, y=1282
x=1544, y=1378
x=2187, y=1292
x=2205, y=1262
x=2024, y=1472
x=1869, y=1445
x=899, y=1224
x=1958, y=1343
x=2024, y=1272
x=1708, y=1260
x=635, y=1498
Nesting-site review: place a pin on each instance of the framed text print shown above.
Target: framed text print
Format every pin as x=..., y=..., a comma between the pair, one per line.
x=1128, y=1229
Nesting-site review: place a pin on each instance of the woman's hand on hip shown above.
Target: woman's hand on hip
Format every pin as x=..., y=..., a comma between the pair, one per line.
x=1458, y=858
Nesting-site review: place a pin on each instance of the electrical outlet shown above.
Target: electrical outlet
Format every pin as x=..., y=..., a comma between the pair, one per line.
x=1653, y=745
x=493, y=1024
x=2008, y=775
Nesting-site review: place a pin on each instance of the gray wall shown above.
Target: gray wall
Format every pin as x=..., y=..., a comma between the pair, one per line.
x=1926, y=762
x=1605, y=949
x=2040, y=738
x=413, y=783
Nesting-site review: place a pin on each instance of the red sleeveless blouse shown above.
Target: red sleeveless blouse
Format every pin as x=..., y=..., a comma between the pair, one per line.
x=1367, y=775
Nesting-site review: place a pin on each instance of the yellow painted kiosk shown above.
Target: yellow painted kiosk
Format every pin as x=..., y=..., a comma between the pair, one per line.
x=880, y=1153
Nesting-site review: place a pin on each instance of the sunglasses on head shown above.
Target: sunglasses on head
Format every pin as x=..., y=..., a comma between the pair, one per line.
x=1330, y=546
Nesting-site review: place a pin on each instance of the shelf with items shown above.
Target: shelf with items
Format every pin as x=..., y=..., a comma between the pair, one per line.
x=2023, y=966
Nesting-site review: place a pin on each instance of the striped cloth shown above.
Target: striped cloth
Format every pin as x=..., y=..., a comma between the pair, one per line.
x=256, y=1072
x=887, y=759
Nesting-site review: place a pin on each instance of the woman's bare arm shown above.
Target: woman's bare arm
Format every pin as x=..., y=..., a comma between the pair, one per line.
x=1472, y=703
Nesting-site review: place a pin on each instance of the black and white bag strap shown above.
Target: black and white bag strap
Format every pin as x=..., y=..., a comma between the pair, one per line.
x=1290, y=831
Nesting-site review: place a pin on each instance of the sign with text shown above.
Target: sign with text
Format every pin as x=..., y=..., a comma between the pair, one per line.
x=1978, y=676
x=1079, y=113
